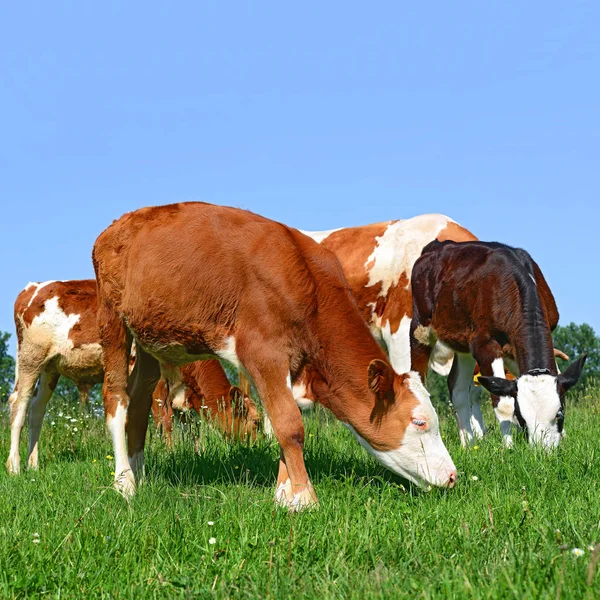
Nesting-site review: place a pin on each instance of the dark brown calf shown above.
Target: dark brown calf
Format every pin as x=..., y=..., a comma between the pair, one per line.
x=490, y=303
x=193, y=281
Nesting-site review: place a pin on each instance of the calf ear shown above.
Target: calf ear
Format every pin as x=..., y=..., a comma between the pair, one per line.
x=572, y=373
x=236, y=397
x=381, y=378
x=499, y=386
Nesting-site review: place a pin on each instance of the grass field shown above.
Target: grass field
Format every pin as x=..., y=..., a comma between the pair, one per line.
x=508, y=529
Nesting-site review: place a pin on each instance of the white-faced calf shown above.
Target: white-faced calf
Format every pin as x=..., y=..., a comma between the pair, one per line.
x=490, y=303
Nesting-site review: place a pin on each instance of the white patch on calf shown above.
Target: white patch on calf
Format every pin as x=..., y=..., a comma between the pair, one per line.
x=228, y=353
x=539, y=403
x=399, y=247
x=319, y=236
x=398, y=344
x=55, y=324
x=39, y=286
x=299, y=392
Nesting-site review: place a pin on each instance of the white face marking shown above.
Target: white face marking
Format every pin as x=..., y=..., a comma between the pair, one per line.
x=398, y=344
x=539, y=403
x=227, y=352
x=319, y=236
x=422, y=456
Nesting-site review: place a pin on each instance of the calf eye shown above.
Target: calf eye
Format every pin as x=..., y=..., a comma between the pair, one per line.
x=420, y=423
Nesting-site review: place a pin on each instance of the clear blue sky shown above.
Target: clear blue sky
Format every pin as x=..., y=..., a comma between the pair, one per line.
x=319, y=115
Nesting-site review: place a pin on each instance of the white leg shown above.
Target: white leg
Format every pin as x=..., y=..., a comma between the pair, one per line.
x=505, y=409
x=19, y=401
x=124, y=478
x=477, y=423
x=460, y=395
x=37, y=410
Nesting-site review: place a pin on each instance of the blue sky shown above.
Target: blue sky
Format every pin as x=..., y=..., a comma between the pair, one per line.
x=319, y=115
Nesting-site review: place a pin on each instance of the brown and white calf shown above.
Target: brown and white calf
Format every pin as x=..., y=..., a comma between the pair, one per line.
x=57, y=334
x=192, y=281
x=377, y=261
x=490, y=303
x=208, y=392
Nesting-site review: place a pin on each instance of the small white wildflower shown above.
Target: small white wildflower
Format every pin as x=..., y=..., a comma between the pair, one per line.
x=73, y=420
x=211, y=523
x=591, y=547
x=53, y=423
x=60, y=414
x=474, y=478
x=75, y=429
x=36, y=535
x=36, y=540
x=577, y=552
x=212, y=541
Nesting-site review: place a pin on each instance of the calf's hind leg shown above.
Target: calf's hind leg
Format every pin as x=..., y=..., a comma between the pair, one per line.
x=28, y=373
x=37, y=410
x=143, y=381
x=116, y=343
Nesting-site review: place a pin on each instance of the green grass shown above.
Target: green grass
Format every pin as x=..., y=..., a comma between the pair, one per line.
x=508, y=534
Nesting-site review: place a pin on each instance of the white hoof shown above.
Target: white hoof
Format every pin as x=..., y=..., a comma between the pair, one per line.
x=125, y=483
x=508, y=441
x=13, y=467
x=301, y=500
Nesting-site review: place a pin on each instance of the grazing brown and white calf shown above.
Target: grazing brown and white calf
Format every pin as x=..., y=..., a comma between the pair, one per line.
x=490, y=303
x=208, y=392
x=57, y=334
x=193, y=281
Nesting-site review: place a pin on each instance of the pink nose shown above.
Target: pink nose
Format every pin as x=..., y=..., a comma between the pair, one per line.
x=452, y=479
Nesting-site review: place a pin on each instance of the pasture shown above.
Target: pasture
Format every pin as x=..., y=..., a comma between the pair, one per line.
x=203, y=524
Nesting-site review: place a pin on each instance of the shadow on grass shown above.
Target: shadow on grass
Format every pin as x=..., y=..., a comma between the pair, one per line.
x=257, y=465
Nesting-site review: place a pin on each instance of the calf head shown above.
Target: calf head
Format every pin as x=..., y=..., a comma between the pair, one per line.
x=238, y=416
x=402, y=431
x=539, y=400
